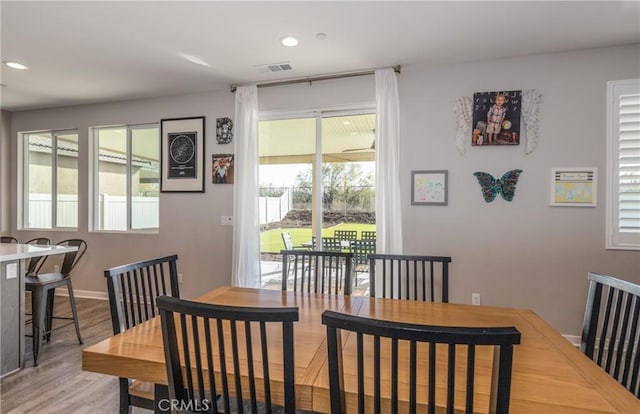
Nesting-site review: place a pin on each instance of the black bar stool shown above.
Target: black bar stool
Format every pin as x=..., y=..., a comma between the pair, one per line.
x=42, y=288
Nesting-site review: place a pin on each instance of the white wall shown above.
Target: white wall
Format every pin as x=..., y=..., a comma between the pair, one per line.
x=318, y=95
x=5, y=171
x=524, y=253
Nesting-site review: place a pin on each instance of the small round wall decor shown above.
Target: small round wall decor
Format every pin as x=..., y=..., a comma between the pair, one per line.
x=224, y=130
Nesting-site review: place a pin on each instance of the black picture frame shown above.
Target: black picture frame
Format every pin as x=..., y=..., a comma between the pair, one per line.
x=182, y=149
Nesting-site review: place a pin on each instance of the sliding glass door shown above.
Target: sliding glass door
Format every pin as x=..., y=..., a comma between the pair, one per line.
x=317, y=176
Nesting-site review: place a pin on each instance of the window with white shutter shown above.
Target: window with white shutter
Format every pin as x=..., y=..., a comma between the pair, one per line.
x=623, y=163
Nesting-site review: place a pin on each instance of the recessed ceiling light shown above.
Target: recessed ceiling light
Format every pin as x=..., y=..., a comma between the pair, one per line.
x=354, y=133
x=289, y=41
x=346, y=122
x=15, y=65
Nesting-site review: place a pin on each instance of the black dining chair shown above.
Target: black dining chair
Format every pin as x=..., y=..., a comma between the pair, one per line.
x=610, y=328
x=8, y=240
x=133, y=289
x=228, y=341
x=405, y=335
x=42, y=287
x=411, y=277
x=35, y=262
x=317, y=271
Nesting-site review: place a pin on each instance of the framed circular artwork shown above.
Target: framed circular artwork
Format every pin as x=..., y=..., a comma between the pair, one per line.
x=182, y=149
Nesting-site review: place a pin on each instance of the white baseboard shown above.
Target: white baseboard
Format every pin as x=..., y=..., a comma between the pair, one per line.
x=574, y=339
x=86, y=294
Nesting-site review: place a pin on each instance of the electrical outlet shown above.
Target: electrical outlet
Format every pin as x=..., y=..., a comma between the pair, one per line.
x=56, y=268
x=475, y=299
x=179, y=277
x=226, y=220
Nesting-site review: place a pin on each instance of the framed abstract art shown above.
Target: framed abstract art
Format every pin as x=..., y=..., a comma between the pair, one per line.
x=429, y=188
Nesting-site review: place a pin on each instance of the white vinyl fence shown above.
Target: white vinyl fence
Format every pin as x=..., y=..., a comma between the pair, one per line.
x=112, y=211
x=274, y=208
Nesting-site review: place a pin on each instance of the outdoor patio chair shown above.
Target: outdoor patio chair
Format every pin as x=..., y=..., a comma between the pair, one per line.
x=288, y=242
x=361, y=251
x=368, y=235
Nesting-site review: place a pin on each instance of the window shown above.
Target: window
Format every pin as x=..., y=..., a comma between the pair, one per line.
x=50, y=179
x=316, y=177
x=126, y=169
x=623, y=163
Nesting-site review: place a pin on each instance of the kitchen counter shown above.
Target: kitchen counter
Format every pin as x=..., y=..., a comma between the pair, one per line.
x=12, y=300
x=13, y=252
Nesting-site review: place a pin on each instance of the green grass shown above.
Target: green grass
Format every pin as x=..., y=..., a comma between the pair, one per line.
x=271, y=240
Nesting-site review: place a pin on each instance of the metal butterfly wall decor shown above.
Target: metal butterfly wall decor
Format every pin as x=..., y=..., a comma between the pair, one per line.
x=505, y=185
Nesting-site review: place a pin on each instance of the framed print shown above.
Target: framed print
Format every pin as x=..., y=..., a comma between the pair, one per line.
x=222, y=169
x=429, y=188
x=182, y=144
x=574, y=187
x=496, y=118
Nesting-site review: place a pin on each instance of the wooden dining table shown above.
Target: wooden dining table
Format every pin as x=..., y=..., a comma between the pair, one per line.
x=549, y=375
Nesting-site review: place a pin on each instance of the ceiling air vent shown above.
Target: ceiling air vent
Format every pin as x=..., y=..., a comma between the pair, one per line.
x=274, y=67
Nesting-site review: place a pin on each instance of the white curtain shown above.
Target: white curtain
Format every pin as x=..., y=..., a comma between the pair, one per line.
x=388, y=202
x=246, y=228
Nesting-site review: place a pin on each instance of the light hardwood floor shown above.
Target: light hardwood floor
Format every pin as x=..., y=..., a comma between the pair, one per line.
x=58, y=384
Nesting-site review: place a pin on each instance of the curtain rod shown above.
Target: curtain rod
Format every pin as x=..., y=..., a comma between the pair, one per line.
x=311, y=79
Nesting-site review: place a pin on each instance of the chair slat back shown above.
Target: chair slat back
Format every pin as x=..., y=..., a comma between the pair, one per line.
x=8, y=239
x=388, y=338
x=411, y=277
x=317, y=271
x=35, y=263
x=201, y=339
x=610, y=332
x=368, y=235
x=133, y=289
x=71, y=259
x=345, y=234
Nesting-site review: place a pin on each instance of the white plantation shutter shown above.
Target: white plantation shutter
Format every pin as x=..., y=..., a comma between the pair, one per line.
x=629, y=167
x=623, y=203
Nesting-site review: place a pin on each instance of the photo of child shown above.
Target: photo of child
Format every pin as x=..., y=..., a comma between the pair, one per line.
x=496, y=118
x=222, y=171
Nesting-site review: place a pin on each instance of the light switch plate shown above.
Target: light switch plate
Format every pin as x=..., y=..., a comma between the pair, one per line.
x=11, y=270
x=226, y=220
